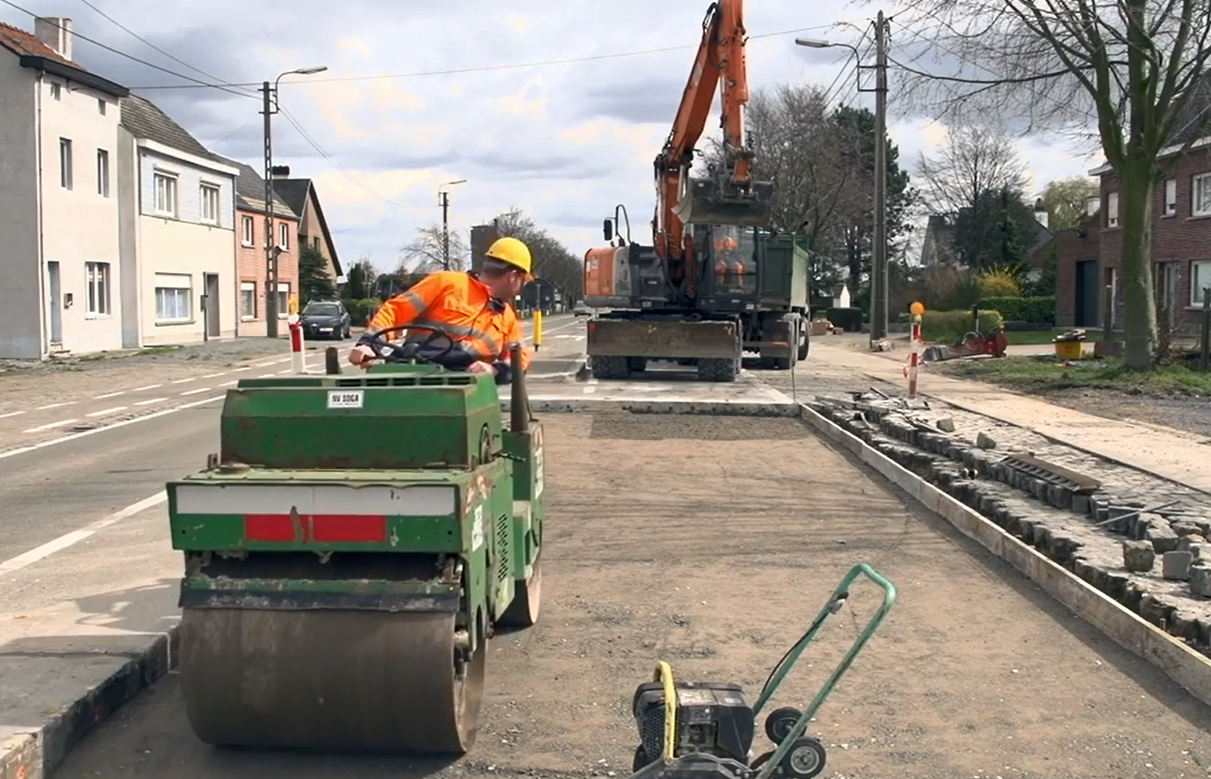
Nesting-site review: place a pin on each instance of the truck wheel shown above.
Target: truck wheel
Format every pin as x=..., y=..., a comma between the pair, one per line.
x=768, y=363
x=804, y=339
x=609, y=367
x=717, y=369
x=637, y=364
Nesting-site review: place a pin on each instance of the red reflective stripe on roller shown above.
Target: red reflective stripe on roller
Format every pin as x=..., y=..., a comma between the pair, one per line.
x=333, y=528
x=268, y=527
x=321, y=528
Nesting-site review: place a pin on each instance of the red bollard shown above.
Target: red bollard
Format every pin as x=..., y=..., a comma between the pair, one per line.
x=297, y=363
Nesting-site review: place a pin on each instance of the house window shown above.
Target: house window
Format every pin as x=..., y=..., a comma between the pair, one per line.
x=315, y=243
x=97, y=274
x=1112, y=210
x=1200, y=279
x=1200, y=195
x=102, y=172
x=174, y=297
x=101, y=107
x=1170, y=197
x=283, y=298
x=248, y=297
x=210, y=203
x=284, y=237
x=56, y=91
x=165, y=193
x=65, y=168
x=249, y=233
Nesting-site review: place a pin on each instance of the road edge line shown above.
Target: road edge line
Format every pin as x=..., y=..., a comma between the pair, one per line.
x=1184, y=666
x=36, y=755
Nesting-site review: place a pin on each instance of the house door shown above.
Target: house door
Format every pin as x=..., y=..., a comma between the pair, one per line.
x=1166, y=293
x=53, y=286
x=1085, y=310
x=212, y=305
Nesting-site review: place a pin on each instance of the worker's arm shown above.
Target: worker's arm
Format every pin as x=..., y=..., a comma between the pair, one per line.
x=405, y=307
x=504, y=366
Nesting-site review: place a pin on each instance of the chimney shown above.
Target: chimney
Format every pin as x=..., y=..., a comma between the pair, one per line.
x=1040, y=212
x=1093, y=205
x=55, y=32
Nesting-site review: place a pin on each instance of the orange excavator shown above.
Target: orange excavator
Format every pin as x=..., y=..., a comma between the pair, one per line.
x=706, y=289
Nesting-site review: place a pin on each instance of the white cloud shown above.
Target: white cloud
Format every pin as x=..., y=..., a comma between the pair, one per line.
x=564, y=142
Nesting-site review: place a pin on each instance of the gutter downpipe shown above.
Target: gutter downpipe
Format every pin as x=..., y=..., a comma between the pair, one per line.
x=43, y=320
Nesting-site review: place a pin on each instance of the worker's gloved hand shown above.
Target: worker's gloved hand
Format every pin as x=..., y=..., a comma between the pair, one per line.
x=361, y=354
x=479, y=366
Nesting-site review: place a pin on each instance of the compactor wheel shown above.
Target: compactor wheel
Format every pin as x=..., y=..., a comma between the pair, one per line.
x=527, y=599
x=335, y=680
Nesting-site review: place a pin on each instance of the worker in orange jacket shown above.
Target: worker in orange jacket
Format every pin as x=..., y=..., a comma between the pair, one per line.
x=474, y=309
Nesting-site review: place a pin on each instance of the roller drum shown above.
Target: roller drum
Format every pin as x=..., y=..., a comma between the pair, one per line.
x=326, y=679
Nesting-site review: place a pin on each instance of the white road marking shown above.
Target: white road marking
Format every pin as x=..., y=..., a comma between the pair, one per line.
x=109, y=395
x=590, y=387
x=215, y=375
x=229, y=383
x=183, y=381
x=288, y=370
x=245, y=368
x=11, y=414
x=266, y=375
x=200, y=389
x=55, y=405
x=48, y=426
x=148, y=387
x=148, y=402
x=76, y=536
x=95, y=430
x=113, y=410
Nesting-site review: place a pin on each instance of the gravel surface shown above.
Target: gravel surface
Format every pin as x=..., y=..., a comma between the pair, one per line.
x=1189, y=414
x=711, y=542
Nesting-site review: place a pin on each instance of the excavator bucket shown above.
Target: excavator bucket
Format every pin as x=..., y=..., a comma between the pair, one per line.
x=709, y=201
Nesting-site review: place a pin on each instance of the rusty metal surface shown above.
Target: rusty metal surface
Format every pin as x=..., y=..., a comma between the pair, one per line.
x=663, y=339
x=1052, y=473
x=349, y=680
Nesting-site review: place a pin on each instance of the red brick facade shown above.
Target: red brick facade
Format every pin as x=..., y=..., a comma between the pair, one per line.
x=250, y=269
x=1181, y=240
x=1073, y=247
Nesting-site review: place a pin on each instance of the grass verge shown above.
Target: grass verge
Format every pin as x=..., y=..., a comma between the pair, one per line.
x=1045, y=374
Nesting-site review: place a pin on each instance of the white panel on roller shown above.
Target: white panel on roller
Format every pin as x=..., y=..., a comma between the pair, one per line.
x=422, y=500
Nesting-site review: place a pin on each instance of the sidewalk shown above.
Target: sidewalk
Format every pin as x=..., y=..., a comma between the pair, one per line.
x=1168, y=455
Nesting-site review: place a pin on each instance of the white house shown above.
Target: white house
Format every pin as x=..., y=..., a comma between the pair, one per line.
x=59, y=243
x=177, y=217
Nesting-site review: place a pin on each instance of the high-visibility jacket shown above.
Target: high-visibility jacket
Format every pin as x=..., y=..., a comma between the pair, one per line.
x=462, y=307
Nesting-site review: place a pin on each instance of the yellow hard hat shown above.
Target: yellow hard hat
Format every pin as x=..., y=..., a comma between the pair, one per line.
x=512, y=252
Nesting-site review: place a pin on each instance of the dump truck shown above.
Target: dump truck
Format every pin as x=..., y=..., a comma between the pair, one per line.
x=717, y=280
x=350, y=551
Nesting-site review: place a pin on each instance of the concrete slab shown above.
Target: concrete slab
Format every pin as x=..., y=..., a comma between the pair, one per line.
x=662, y=394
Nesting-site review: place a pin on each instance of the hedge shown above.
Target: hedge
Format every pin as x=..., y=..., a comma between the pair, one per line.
x=361, y=310
x=1039, y=310
x=848, y=319
x=950, y=326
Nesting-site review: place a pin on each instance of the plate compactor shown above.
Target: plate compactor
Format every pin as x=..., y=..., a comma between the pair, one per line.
x=694, y=730
x=351, y=549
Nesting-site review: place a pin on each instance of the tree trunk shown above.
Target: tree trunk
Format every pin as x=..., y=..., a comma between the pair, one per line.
x=1135, y=216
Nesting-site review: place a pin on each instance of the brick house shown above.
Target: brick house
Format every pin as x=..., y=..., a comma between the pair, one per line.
x=250, y=252
x=1078, y=272
x=300, y=196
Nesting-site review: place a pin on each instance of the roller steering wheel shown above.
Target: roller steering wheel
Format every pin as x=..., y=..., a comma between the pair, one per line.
x=409, y=352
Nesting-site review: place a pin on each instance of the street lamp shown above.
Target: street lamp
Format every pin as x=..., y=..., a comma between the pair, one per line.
x=878, y=270
x=269, y=101
x=443, y=200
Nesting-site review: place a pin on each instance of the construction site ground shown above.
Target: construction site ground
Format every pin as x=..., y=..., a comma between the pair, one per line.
x=711, y=542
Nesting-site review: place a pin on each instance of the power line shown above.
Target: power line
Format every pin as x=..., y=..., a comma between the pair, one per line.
x=490, y=68
x=223, y=87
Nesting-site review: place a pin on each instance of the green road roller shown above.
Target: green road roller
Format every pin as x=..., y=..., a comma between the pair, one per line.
x=351, y=549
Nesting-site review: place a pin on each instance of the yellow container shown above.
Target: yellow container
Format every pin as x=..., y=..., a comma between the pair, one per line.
x=1068, y=350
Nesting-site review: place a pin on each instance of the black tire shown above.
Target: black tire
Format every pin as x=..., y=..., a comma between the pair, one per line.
x=805, y=760
x=779, y=723
x=640, y=760
x=637, y=364
x=717, y=369
x=767, y=363
x=805, y=342
x=609, y=367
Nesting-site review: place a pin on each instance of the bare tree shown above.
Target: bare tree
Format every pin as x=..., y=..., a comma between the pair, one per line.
x=551, y=259
x=1066, y=201
x=1134, y=69
x=973, y=162
x=425, y=252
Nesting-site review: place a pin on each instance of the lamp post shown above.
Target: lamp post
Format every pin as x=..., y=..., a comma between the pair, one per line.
x=269, y=101
x=443, y=200
x=878, y=270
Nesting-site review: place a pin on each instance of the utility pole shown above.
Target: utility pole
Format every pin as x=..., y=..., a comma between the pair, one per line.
x=879, y=274
x=269, y=94
x=444, y=200
x=271, y=270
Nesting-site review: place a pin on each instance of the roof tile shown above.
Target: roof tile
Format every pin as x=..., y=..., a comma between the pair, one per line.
x=25, y=44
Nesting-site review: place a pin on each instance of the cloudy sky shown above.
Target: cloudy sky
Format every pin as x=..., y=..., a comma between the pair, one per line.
x=417, y=94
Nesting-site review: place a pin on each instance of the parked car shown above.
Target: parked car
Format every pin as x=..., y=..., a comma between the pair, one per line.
x=325, y=319
x=580, y=309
